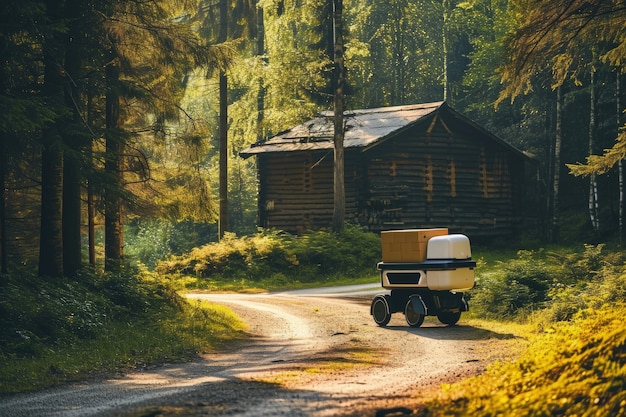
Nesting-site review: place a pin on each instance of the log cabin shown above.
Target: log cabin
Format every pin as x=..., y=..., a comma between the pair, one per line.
x=410, y=166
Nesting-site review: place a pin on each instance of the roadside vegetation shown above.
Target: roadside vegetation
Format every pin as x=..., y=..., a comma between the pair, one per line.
x=55, y=331
x=575, y=363
x=572, y=298
x=52, y=332
x=277, y=260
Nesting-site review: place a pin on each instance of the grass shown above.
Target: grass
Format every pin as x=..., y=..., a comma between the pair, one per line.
x=121, y=346
x=186, y=283
x=575, y=368
x=570, y=302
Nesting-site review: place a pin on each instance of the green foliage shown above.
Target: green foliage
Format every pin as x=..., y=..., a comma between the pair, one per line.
x=513, y=286
x=577, y=368
x=574, y=364
x=548, y=286
x=63, y=330
x=149, y=241
x=274, y=257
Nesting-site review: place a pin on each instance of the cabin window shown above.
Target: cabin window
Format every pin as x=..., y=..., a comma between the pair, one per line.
x=484, y=175
x=452, y=177
x=428, y=179
x=307, y=174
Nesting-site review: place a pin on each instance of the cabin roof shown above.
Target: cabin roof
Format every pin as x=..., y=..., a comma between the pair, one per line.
x=365, y=129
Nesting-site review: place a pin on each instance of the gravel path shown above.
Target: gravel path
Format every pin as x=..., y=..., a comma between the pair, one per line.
x=312, y=354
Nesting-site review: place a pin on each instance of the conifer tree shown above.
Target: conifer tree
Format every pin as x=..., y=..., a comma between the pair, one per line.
x=51, y=238
x=556, y=36
x=339, y=205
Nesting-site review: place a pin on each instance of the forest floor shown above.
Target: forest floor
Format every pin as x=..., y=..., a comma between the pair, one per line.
x=310, y=354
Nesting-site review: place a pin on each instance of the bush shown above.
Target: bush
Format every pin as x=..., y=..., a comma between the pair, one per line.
x=575, y=369
x=37, y=312
x=60, y=330
x=515, y=286
x=273, y=255
x=555, y=285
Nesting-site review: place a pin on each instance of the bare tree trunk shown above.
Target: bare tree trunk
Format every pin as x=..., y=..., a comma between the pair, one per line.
x=51, y=235
x=91, y=208
x=113, y=234
x=4, y=259
x=397, y=92
x=444, y=43
x=339, y=209
x=4, y=139
x=72, y=173
x=91, y=224
x=260, y=51
x=223, y=122
x=556, y=171
x=71, y=216
x=593, y=182
x=620, y=165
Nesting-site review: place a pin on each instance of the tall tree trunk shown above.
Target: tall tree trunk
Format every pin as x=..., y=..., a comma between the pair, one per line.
x=4, y=259
x=444, y=49
x=593, y=182
x=91, y=208
x=339, y=207
x=91, y=223
x=223, y=122
x=72, y=173
x=556, y=170
x=397, y=92
x=223, y=144
x=51, y=234
x=260, y=51
x=51, y=238
x=620, y=165
x=113, y=233
x=71, y=215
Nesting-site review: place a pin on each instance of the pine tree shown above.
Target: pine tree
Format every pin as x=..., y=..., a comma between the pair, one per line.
x=51, y=238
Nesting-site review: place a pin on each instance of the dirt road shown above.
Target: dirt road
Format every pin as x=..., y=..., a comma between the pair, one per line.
x=313, y=354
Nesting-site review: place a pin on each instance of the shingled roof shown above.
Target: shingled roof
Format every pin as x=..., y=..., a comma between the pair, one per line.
x=364, y=129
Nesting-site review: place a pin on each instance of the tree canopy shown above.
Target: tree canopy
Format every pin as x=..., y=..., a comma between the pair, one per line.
x=110, y=109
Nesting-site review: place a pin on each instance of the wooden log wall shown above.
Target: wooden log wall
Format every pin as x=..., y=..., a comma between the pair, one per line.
x=435, y=176
x=296, y=190
x=439, y=174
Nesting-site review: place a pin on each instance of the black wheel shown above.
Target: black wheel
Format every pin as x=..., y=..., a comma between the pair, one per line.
x=448, y=317
x=380, y=310
x=413, y=318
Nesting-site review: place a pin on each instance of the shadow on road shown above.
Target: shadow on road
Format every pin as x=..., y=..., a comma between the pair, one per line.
x=258, y=399
x=458, y=332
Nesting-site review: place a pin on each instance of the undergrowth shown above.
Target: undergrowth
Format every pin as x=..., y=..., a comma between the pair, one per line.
x=55, y=331
x=548, y=285
x=273, y=259
x=575, y=364
x=574, y=368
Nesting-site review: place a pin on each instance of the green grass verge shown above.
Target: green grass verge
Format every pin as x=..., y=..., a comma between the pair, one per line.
x=198, y=327
x=575, y=368
x=185, y=283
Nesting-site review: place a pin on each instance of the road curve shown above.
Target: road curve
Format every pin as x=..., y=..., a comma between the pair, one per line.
x=313, y=353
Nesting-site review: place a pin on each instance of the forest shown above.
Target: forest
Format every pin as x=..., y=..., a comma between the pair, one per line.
x=122, y=121
x=122, y=184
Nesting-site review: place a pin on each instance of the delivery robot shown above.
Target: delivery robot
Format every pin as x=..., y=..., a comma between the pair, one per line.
x=426, y=271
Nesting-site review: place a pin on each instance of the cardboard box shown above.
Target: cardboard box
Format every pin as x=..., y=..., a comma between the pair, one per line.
x=408, y=245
